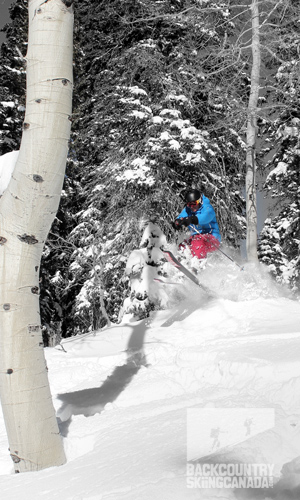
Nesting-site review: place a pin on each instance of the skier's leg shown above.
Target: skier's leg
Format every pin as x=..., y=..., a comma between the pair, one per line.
x=202, y=244
x=198, y=246
x=212, y=244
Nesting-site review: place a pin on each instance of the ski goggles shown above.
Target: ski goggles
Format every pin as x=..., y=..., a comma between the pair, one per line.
x=193, y=203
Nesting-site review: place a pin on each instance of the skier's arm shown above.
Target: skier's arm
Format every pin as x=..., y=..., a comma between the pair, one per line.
x=184, y=220
x=182, y=214
x=206, y=215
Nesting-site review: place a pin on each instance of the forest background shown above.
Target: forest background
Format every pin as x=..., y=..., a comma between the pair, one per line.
x=160, y=103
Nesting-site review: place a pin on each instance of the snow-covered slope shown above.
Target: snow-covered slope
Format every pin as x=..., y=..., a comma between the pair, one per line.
x=123, y=396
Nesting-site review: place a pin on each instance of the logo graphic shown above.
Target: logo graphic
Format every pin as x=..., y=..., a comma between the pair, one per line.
x=210, y=430
x=213, y=431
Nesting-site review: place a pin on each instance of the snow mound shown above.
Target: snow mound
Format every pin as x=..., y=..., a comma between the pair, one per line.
x=7, y=165
x=123, y=394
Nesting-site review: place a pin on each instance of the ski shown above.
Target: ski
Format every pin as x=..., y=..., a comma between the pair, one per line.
x=175, y=262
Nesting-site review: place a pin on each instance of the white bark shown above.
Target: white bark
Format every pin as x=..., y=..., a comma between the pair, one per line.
x=251, y=208
x=27, y=210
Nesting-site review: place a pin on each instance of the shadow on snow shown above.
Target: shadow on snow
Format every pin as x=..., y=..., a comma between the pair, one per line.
x=89, y=402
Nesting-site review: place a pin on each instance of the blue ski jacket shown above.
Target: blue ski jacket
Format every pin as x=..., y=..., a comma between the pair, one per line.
x=207, y=222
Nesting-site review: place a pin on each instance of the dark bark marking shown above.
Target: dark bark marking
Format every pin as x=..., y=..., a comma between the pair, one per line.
x=2, y=240
x=26, y=126
x=64, y=81
x=38, y=178
x=67, y=3
x=29, y=239
x=35, y=290
x=36, y=268
x=15, y=459
x=6, y=307
x=9, y=371
x=38, y=101
x=33, y=328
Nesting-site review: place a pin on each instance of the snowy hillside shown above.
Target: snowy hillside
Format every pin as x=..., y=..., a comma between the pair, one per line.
x=123, y=396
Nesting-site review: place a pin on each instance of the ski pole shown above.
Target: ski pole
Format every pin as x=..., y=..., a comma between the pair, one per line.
x=230, y=258
x=217, y=248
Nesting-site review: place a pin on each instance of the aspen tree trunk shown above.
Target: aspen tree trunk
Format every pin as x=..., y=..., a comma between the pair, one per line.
x=251, y=208
x=27, y=210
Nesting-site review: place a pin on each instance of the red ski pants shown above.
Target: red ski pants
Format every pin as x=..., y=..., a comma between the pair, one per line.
x=200, y=245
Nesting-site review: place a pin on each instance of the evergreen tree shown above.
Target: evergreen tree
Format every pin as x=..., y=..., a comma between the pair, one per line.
x=146, y=134
x=280, y=238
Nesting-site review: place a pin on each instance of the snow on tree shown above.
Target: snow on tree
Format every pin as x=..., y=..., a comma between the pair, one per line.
x=280, y=237
x=144, y=121
x=143, y=265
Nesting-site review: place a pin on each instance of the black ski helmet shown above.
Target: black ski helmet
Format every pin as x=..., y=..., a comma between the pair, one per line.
x=193, y=195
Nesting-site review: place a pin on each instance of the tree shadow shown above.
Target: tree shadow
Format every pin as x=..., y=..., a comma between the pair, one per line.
x=186, y=308
x=89, y=402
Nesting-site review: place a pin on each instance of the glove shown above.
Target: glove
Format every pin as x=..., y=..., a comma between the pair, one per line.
x=186, y=221
x=177, y=224
x=192, y=219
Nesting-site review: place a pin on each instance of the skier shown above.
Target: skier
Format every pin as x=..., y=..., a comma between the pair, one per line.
x=199, y=216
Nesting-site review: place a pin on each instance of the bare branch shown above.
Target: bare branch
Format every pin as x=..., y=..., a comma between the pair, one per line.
x=273, y=54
